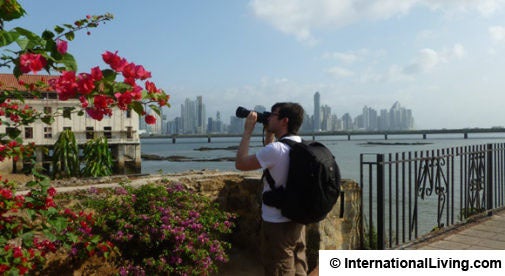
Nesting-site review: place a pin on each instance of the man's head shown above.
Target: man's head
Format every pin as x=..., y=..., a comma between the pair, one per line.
x=293, y=112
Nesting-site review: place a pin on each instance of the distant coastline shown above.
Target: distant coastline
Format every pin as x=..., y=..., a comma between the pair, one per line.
x=396, y=143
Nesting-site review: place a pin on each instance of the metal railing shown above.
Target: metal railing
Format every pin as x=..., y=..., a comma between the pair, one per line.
x=409, y=194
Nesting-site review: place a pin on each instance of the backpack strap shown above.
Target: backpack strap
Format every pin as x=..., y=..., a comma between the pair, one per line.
x=269, y=178
x=266, y=172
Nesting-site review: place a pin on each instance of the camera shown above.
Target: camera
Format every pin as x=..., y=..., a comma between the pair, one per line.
x=242, y=112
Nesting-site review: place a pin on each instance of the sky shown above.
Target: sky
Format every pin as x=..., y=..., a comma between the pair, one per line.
x=444, y=60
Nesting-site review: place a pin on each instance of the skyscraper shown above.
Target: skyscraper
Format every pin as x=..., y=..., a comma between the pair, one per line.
x=200, y=116
x=317, y=112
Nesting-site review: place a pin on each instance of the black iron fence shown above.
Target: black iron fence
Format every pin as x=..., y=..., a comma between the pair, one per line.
x=409, y=194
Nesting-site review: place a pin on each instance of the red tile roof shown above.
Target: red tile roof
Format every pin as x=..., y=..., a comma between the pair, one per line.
x=9, y=82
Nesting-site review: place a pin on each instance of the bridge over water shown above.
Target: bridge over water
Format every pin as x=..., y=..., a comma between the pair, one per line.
x=423, y=133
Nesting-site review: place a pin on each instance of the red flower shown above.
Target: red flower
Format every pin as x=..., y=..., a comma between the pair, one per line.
x=29, y=62
x=61, y=46
x=65, y=85
x=151, y=87
x=116, y=62
x=85, y=83
x=84, y=101
x=142, y=73
x=123, y=100
x=51, y=191
x=150, y=119
x=17, y=253
x=96, y=73
x=94, y=113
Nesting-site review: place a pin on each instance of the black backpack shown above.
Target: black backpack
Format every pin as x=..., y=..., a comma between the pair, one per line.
x=313, y=183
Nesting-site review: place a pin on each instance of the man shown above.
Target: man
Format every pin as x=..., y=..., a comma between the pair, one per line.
x=282, y=241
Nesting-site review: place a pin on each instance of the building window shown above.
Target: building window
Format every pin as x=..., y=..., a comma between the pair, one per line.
x=90, y=133
x=107, y=132
x=48, y=132
x=28, y=132
x=128, y=113
x=67, y=128
x=48, y=110
x=67, y=112
x=129, y=132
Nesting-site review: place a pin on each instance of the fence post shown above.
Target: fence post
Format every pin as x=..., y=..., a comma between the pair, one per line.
x=380, y=202
x=489, y=188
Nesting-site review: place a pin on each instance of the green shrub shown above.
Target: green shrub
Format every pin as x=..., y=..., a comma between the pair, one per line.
x=97, y=158
x=163, y=229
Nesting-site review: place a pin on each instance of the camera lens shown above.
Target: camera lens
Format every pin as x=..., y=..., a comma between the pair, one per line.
x=242, y=112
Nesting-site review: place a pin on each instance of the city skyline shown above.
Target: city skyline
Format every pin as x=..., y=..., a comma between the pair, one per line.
x=191, y=119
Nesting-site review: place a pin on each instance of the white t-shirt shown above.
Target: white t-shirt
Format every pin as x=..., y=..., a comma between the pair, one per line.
x=275, y=158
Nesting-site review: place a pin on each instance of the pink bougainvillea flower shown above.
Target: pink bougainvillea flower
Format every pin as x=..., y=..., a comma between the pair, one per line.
x=96, y=73
x=150, y=119
x=142, y=73
x=65, y=85
x=84, y=101
x=124, y=99
x=114, y=61
x=129, y=71
x=151, y=87
x=61, y=46
x=29, y=62
x=94, y=113
x=85, y=83
x=102, y=101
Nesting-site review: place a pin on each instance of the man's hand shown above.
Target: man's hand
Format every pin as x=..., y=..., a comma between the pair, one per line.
x=250, y=122
x=244, y=161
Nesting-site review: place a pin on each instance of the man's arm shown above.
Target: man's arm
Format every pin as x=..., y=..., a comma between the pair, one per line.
x=244, y=161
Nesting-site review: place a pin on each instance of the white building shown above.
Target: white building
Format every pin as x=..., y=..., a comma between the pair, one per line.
x=121, y=129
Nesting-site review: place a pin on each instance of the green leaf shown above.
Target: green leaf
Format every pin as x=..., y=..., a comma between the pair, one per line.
x=67, y=112
x=47, y=119
x=70, y=36
x=69, y=62
x=7, y=38
x=28, y=34
x=72, y=237
x=13, y=132
x=155, y=108
x=109, y=75
x=137, y=107
x=47, y=35
x=58, y=29
x=59, y=224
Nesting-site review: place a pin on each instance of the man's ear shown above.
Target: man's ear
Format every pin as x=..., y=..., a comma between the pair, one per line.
x=285, y=120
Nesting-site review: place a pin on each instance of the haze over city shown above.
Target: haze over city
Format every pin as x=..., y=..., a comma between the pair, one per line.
x=444, y=60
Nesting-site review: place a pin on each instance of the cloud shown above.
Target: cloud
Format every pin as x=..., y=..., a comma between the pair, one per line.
x=340, y=72
x=300, y=17
x=347, y=58
x=427, y=59
x=497, y=33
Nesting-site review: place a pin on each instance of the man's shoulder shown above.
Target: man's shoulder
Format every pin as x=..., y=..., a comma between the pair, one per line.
x=295, y=138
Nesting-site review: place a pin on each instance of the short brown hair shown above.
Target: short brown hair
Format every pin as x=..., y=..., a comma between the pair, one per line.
x=294, y=112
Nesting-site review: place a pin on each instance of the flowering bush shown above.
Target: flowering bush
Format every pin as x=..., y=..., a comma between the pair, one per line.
x=162, y=229
x=32, y=226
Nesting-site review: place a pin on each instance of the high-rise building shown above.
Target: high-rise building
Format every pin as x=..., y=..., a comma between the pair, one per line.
x=200, y=116
x=193, y=116
x=325, y=118
x=347, y=121
x=317, y=112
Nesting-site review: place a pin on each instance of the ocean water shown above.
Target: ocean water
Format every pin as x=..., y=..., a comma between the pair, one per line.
x=347, y=153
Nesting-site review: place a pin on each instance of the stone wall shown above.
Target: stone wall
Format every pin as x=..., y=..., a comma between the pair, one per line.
x=241, y=193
